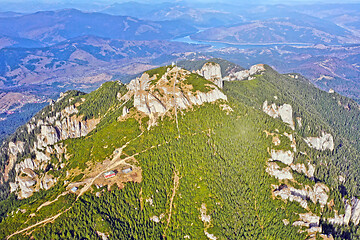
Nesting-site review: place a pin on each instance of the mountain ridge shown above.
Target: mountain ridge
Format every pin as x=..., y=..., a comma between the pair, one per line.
x=266, y=156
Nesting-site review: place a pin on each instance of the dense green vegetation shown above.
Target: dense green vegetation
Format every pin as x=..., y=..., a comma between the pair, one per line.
x=232, y=181
x=218, y=162
x=159, y=72
x=319, y=111
x=198, y=83
x=98, y=102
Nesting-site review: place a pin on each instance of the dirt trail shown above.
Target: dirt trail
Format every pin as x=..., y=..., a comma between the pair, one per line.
x=51, y=219
x=114, y=163
x=50, y=202
x=176, y=186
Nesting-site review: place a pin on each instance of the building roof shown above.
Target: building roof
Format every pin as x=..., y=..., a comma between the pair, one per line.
x=109, y=173
x=127, y=170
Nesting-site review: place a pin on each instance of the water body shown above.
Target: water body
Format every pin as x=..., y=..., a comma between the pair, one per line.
x=218, y=45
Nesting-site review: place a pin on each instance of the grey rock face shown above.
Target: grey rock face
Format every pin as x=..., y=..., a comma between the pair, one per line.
x=284, y=112
x=324, y=142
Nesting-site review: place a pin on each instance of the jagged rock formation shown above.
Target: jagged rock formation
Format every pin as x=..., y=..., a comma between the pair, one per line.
x=352, y=213
x=245, y=74
x=301, y=168
x=46, y=132
x=284, y=112
x=125, y=111
x=304, y=194
x=326, y=141
x=282, y=156
x=309, y=221
x=155, y=95
x=212, y=71
x=317, y=193
x=274, y=170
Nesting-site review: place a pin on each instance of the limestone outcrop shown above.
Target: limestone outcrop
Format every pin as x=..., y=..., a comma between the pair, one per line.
x=285, y=157
x=245, y=74
x=310, y=221
x=317, y=193
x=324, y=142
x=47, y=132
x=212, y=72
x=352, y=213
x=158, y=98
x=274, y=170
x=301, y=168
x=284, y=112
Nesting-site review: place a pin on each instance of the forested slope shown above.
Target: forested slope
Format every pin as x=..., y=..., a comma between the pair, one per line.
x=211, y=164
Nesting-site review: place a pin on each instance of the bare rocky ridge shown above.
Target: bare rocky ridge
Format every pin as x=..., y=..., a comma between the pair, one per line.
x=155, y=97
x=352, y=213
x=212, y=72
x=245, y=74
x=289, y=189
x=47, y=131
x=152, y=96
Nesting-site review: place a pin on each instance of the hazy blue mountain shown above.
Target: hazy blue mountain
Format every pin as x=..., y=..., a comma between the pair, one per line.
x=280, y=30
x=55, y=26
x=194, y=14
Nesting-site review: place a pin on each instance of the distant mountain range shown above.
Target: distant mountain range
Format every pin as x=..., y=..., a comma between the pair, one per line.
x=327, y=67
x=81, y=57
x=199, y=17
x=47, y=52
x=56, y=26
x=280, y=30
x=81, y=63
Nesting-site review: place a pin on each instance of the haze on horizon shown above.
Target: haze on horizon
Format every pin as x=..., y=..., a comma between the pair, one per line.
x=27, y=6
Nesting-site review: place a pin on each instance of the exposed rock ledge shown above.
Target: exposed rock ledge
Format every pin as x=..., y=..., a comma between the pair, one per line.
x=158, y=99
x=310, y=221
x=284, y=112
x=50, y=130
x=285, y=157
x=352, y=213
x=326, y=141
x=318, y=193
x=212, y=72
x=245, y=74
x=274, y=170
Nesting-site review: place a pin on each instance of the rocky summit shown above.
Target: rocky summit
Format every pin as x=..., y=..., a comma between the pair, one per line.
x=199, y=150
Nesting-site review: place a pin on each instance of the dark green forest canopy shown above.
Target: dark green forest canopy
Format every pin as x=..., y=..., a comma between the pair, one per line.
x=220, y=160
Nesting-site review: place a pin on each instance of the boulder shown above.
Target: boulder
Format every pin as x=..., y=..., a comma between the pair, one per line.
x=286, y=157
x=274, y=170
x=324, y=142
x=284, y=112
